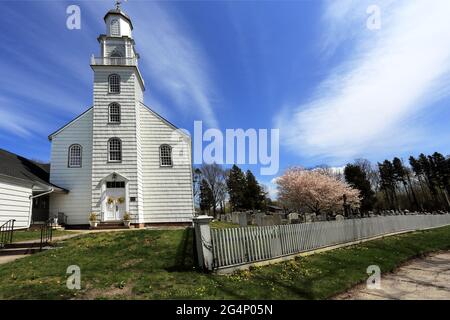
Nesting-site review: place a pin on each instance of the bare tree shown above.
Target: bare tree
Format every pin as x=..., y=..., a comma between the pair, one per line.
x=371, y=172
x=215, y=177
x=196, y=182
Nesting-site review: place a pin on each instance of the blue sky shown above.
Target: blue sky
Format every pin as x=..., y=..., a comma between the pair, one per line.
x=336, y=89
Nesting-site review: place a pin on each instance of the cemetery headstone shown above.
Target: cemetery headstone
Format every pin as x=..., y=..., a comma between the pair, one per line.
x=276, y=219
x=259, y=218
x=292, y=216
x=267, y=221
x=242, y=217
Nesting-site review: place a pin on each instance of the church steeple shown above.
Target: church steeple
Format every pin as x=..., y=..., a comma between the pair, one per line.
x=117, y=46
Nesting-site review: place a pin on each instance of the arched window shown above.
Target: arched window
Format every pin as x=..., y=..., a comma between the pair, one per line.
x=114, y=83
x=115, y=54
x=114, y=112
x=115, y=27
x=165, y=155
x=114, y=150
x=75, y=153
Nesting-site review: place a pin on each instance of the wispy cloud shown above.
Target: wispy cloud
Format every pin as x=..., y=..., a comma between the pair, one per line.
x=175, y=62
x=17, y=120
x=385, y=78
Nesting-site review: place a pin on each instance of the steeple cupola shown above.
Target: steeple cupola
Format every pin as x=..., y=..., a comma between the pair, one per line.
x=117, y=45
x=118, y=23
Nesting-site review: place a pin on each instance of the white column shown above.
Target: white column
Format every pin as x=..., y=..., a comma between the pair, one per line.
x=203, y=242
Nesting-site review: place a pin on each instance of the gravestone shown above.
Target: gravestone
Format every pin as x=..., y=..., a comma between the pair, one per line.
x=228, y=217
x=340, y=217
x=276, y=219
x=267, y=221
x=293, y=218
x=242, y=217
x=259, y=218
x=235, y=217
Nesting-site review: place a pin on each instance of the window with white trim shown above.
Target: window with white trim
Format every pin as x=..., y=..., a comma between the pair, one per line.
x=115, y=27
x=75, y=154
x=165, y=155
x=114, y=83
x=114, y=150
x=114, y=112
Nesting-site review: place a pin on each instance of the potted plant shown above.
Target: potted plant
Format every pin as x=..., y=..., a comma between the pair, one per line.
x=126, y=219
x=121, y=200
x=93, y=220
x=110, y=200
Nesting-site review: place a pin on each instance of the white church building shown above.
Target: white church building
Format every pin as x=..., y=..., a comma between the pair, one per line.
x=120, y=156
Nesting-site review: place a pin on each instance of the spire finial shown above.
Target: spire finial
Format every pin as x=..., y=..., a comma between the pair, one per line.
x=118, y=4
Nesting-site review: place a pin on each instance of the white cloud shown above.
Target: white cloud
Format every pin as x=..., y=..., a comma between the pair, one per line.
x=367, y=102
x=176, y=63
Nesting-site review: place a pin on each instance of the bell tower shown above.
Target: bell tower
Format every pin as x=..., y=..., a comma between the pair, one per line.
x=117, y=46
x=117, y=96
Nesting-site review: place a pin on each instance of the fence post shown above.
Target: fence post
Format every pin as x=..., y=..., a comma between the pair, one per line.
x=203, y=242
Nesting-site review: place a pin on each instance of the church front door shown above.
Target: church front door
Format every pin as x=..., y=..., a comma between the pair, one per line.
x=115, y=200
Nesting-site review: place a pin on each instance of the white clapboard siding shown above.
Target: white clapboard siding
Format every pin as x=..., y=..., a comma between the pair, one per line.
x=77, y=203
x=15, y=204
x=130, y=88
x=167, y=191
x=235, y=246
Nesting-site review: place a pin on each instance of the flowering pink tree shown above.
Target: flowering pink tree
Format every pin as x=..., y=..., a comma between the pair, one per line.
x=319, y=192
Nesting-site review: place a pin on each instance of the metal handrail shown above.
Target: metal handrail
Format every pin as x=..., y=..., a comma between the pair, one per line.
x=6, y=232
x=46, y=233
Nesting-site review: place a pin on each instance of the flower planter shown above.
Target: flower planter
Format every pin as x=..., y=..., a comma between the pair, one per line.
x=126, y=223
x=93, y=224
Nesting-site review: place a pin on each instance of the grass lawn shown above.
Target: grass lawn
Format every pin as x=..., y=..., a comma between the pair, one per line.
x=154, y=264
x=223, y=224
x=25, y=235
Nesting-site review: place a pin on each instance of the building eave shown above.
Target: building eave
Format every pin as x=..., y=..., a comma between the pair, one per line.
x=170, y=124
x=141, y=80
x=120, y=13
x=67, y=124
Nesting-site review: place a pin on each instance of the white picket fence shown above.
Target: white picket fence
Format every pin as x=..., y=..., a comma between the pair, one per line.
x=236, y=246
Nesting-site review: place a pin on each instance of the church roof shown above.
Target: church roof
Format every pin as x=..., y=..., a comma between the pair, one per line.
x=68, y=124
x=119, y=12
x=18, y=167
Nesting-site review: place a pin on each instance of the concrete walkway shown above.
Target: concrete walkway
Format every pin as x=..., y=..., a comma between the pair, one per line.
x=419, y=279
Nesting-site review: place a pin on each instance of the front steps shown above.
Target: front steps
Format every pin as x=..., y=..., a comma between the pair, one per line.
x=109, y=225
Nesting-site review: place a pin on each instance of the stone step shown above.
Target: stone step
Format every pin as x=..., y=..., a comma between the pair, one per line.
x=110, y=226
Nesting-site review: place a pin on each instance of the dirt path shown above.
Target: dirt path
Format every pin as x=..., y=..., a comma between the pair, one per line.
x=425, y=278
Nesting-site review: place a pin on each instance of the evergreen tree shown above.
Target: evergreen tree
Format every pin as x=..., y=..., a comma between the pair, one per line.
x=440, y=174
x=388, y=183
x=253, y=192
x=401, y=175
x=206, y=197
x=356, y=177
x=236, y=185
